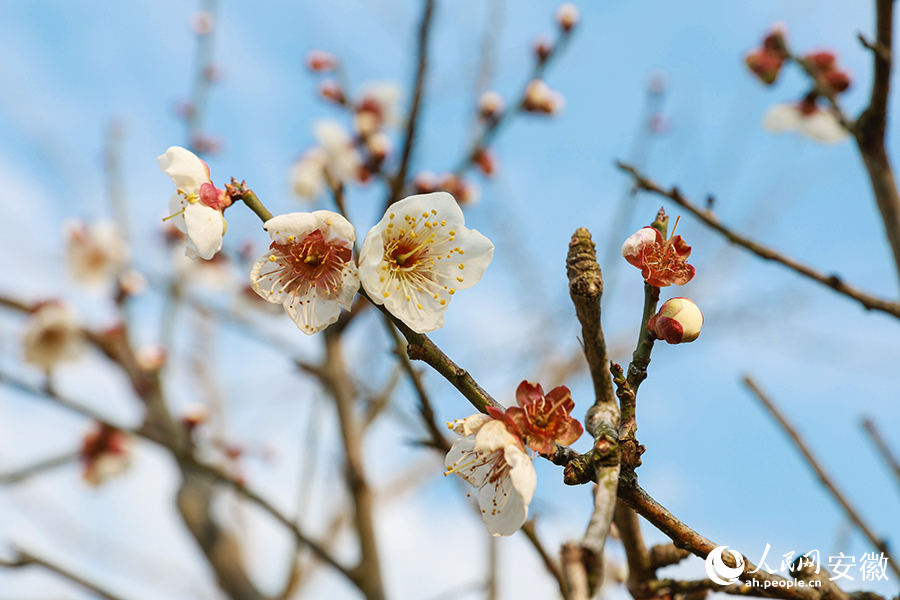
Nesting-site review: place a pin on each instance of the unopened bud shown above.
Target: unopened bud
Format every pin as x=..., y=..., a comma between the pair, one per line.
x=765, y=64
x=319, y=61
x=839, y=81
x=823, y=60
x=202, y=22
x=543, y=48
x=426, y=182
x=332, y=91
x=678, y=321
x=486, y=161
x=567, y=16
x=539, y=98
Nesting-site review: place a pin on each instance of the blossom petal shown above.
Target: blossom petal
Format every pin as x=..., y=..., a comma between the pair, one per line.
x=823, y=126
x=296, y=224
x=469, y=425
x=494, y=435
x=458, y=461
x=205, y=228
x=782, y=117
x=185, y=169
x=311, y=313
x=504, y=502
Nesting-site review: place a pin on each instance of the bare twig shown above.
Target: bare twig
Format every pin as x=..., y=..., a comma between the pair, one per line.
x=399, y=180
x=870, y=130
x=25, y=559
x=38, y=467
x=882, y=447
x=710, y=220
x=851, y=513
x=552, y=566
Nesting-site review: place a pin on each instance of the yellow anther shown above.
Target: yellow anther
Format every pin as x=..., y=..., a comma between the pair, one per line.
x=452, y=232
x=424, y=215
x=461, y=266
x=386, y=294
x=452, y=291
x=435, y=296
x=419, y=306
x=443, y=302
x=291, y=238
x=434, y=212
x=459, y=279
x=271, y=258
x=443, y=223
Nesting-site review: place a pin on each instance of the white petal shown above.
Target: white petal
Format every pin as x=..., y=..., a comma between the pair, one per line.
x=292, y=224
x=349, y=285
x=494, y=435
x=469, y=465
x=470, y=425
x=823, y=126
x=176, y=205
x=205, y=228
x=185, y=168
x=636, y=241
x=263, y=283
x=313, y=312
x=479, y=251
x=782, y=117
x=337, y=226
x=504, y=502
x=429, y=317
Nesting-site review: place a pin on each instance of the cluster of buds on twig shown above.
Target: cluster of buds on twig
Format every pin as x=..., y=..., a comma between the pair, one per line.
x=540, y=99
x=463, y=190
x=823, y=64
x=766, y=61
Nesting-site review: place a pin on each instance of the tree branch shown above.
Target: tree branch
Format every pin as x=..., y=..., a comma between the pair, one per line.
x=709, y=219
x=882, y=447
x=25, y=559
x=820, y=472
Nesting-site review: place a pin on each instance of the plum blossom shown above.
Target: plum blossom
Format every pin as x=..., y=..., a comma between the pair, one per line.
x=542, y=421
x=308, y=268
x=491, y=457
x=197, y=204
x=416, y=258
x=662, y=262
x=678, y=321
x=95, y=253
x=539, y=98
x=491, y=105
x=807, y=118
x=53, y=335
x=567, y=16
x=343, y=161
x=308, y=174
x=105, y=453
x=377, y=107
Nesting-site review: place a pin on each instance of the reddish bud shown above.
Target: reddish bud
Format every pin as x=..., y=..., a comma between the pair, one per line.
x=678, y=321
x=486, y=161
x=543, y=48
x=332, y=91
x=318, y=61
x=567, y=16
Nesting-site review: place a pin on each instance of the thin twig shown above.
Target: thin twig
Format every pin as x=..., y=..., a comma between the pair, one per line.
x=709, y=219
x=882, y=447
x=820, y=472
x=552, y=566
x=25, y=559
x=399, y=180
x=38, y=467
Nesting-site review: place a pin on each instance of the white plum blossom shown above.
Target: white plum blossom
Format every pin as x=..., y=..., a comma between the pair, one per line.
x=105, y=452
x=53, y=334
x=343, y=161
x=95, y=253
x=807, y=118
x=377, y=107
x=309, y=267
x=492, y=458
x=197, y=204
x=308, y=174
x=419, y=255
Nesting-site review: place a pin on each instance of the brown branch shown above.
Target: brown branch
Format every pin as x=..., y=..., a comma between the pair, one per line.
x=870, y=130
x=552, y=566
x=882, y=447
x=709, y=219
x=851, y=513
x=682, y=535
x=38, y=467
x=25, y=559
x=367, y=573
x=399, y=180
x=640, y=565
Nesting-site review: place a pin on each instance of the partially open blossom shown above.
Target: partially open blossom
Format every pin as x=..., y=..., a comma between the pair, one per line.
x=308, y=268
x=542, y=421
x=490, y=105
x=343, y=161
x=677, y=322
x=465, y=192
x=662, y=262
x=490, y=456
x=419, y=255
x=95, y=253
x=197, y=204
x=319, y=61
x=567, y=16
x=539, y=98
x=53, y=334
x=377, y=107
x=105, y=453
x=379, y=146
x=807, y=118
x=307, y=175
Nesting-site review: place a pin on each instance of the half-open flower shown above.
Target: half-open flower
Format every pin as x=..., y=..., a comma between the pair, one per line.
x=418, y=255
x=678, y=321
x=309, y=267
x=197, y=204
x=662, y=262
x=544, y=421
x=53, y=334
x=105, y=453
x=807, y=118
x=490, y=456
x=95, y=253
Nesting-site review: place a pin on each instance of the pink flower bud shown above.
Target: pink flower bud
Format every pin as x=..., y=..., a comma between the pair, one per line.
x=318, y=61
x=490, y=105
x=678, y=321
x=332, y=91
x=543, y=48
x=567, y=16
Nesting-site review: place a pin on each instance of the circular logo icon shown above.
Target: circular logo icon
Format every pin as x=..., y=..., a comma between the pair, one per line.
x=718, y=571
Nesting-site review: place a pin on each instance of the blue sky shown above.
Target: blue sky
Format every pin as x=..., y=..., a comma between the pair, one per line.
x=714, y=458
